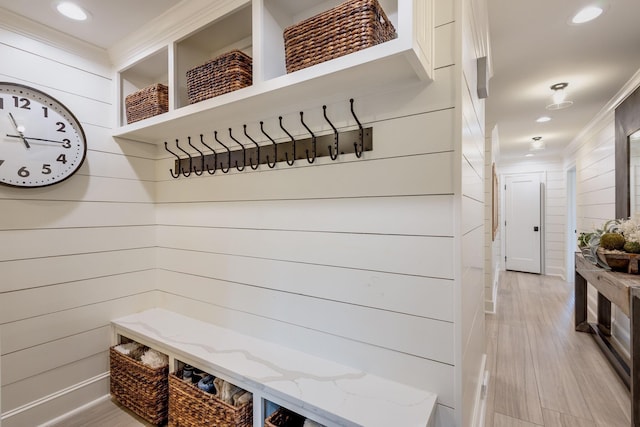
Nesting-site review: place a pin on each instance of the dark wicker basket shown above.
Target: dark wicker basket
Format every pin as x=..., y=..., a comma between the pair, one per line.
x=283, y=417
x=139, y=388
x=226, y=73
x=351, y=26
x=147, y=102
x=191, y=407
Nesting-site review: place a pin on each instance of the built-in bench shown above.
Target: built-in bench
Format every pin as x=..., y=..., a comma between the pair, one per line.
x=325, y=391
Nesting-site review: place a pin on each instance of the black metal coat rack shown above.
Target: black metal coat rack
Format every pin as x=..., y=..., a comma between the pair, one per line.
x=252, y=154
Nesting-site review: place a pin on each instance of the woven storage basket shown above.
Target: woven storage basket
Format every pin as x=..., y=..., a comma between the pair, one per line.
x=138, y=387
x=351, y=26
x=191, y=407
x=284, y=418
x=226, y=73
x=147, y=102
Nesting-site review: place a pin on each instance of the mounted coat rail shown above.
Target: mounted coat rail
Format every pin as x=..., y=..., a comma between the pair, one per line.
x=253, y=154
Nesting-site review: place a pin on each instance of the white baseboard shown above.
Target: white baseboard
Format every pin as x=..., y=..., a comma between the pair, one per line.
x=75, y=411
x=480, y=401
x=51, y=397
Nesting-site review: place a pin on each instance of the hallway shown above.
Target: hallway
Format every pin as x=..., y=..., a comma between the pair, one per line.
x=542, y=372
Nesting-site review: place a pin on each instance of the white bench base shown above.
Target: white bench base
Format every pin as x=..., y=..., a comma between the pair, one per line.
x=325, y=391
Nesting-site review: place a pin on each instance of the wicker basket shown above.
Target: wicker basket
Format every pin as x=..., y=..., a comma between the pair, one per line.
x=226, y=73
x=139, y=387
x=351, y=26
x=147, y=102
x=191, y=407
x=284, y=418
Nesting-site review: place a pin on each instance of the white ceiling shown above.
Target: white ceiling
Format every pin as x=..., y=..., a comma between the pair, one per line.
x=532, y=47
x=109, y=20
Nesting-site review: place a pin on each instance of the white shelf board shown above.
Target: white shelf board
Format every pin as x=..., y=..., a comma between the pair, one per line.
x=350, y=76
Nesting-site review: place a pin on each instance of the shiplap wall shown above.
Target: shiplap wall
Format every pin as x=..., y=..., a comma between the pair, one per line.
x=354, y=260
x=74, y=255
x=594, y=157
x=492, y=246
x=553, y=176
x=470, y=235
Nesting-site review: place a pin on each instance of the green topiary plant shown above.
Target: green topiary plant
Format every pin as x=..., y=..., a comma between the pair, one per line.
x=612, y=241
x=632, y=247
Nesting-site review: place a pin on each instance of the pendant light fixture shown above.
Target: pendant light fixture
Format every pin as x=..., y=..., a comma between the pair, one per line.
x=559, y=97
x=537, y=144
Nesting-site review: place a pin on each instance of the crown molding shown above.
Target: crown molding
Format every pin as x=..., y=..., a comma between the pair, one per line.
x=175, y=23
x=604, y=115
x=78, y=52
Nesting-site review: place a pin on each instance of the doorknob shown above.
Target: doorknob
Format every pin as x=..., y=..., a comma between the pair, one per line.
x=535, y=228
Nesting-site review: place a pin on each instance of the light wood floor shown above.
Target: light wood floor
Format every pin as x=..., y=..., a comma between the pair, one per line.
x=542, y=372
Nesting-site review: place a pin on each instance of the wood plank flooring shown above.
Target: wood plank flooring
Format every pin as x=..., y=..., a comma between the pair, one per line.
x=542, y=372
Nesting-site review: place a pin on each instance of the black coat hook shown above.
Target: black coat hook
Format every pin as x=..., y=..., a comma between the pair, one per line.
x=335, y=135
x=294, y=145
x=275, y=148
x=257, y=147
x=215, y=136
x=190, y=160
x=357, y=150
x=215, y=156
x=175, y=175
x=201, y=159
x=244, y=153
x=313, y=139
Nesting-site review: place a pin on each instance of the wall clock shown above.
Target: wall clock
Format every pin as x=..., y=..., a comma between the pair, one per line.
x=41, y=142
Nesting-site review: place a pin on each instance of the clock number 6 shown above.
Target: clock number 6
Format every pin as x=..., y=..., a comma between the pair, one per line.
x=23, y=172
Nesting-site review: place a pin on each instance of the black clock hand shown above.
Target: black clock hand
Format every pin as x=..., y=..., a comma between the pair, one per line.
x=36, y=139
x=15, y=125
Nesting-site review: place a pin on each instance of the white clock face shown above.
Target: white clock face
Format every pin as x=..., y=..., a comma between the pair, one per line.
x=41, y=141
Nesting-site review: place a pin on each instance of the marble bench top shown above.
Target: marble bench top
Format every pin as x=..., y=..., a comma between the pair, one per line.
x=341, y=394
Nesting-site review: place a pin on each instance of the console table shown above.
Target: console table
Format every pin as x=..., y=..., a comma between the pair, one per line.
x=623, y=290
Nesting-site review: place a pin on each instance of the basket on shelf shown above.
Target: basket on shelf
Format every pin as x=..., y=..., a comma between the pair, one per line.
x=191, y=407
x=351, y=26
x=138, y=387
x=147, y=102
x=226, y=73
x=283, y=417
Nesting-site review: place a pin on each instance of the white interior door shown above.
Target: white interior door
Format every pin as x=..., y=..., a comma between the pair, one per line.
x=523, y=228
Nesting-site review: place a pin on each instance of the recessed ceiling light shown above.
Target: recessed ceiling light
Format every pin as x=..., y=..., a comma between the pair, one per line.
x=587, y=14
x=72, y=11
x=543, y=119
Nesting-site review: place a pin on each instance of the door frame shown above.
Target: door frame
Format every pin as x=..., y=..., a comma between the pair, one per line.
x=543, y=218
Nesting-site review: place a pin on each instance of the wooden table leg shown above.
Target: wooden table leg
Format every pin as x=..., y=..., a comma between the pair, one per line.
x=635, y=355
x=581, y=303
x=604, y=315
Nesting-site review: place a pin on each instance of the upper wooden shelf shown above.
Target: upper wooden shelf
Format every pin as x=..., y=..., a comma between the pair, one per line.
x=397, y=62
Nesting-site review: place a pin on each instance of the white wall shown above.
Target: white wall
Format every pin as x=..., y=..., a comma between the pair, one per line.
x=470, y=326
x=76, y=254
x=594, y=155
x=492, y=245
